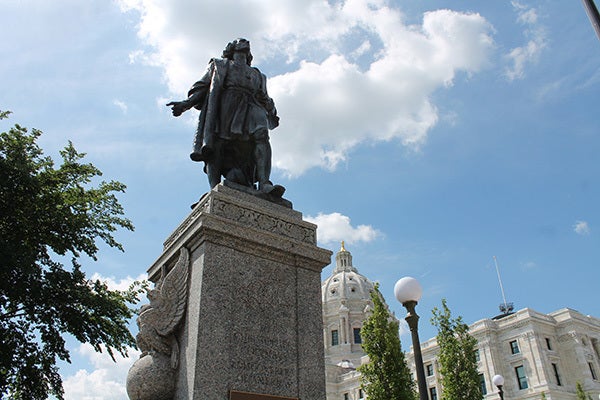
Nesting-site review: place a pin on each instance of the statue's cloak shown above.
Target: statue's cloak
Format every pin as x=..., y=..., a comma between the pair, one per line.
x=206, y=94
x=208, y=88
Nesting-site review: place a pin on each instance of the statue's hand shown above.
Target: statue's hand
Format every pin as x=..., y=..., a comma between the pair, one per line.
x=178, y=107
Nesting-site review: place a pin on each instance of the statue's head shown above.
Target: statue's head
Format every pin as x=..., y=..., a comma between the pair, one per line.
x=238, y=45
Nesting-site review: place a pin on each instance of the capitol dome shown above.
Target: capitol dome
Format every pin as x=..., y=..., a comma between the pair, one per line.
x=345, y=282
x=347, y=303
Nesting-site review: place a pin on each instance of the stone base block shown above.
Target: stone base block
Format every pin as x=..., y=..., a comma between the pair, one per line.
x=254, y=321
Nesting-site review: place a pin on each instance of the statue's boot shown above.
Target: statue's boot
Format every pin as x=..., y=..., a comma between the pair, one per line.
x=273, y=190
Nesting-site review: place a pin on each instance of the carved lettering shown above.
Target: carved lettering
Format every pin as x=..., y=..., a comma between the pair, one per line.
x=235, y=395
x=263, y=222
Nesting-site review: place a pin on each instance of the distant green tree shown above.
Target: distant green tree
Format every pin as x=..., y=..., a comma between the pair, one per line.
x=386, y=376
x=543, y=396
x=48, y=215
x=457, y=359
x=581, y=395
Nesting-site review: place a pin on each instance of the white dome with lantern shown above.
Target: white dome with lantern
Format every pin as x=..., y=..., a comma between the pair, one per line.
x=345, y=283
x=346, y=304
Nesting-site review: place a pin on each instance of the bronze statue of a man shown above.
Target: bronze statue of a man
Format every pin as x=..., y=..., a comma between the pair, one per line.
x=236, y=114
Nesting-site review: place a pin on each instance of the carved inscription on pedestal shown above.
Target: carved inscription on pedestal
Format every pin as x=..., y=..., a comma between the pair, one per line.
x=261, y=221
x=234, y=395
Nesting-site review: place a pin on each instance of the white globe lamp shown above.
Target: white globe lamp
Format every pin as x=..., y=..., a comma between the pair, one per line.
x=408, y=289
x=498, y=381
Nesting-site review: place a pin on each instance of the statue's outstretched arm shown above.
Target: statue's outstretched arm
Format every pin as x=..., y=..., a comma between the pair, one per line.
x=179, y=107
x=196, y=95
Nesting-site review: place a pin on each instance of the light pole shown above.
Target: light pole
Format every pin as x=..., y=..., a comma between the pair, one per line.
x=408, y=292
x=593, y=15
x=498, y=381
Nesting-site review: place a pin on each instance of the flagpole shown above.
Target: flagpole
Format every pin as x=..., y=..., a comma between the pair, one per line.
x=501, y=287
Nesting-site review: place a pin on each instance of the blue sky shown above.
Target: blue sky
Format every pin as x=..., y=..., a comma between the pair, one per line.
x=429, y=135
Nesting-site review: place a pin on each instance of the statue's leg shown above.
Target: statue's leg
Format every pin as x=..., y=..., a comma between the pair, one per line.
x=262, y=158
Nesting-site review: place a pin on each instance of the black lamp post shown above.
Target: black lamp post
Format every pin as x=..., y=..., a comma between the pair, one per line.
x=498, y=381
x=593, y=15
x=408, y=292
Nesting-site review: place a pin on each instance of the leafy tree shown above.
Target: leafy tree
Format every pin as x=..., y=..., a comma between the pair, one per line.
x=457, y=360
x=543, y=396
x=581, y=395
x=51, y=214
x=386, y=376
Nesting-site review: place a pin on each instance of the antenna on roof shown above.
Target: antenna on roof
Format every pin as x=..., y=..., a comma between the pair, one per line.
x=505, y=308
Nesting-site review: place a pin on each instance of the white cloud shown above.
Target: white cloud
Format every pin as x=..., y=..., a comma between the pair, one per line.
x=122, y=284
x=530, y=52
x=336, y=227
x=581, y=228
x=404, y=330
x=529, y=265
x=362, y=49
x=107, y=380
x=121, y=105
x=329, y=101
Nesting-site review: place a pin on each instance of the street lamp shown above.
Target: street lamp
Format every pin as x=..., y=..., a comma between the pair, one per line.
x=594, y=16
x=498, y=381
x=408, y=292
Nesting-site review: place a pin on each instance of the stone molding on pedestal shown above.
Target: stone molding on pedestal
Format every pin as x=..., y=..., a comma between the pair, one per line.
x=280, y=229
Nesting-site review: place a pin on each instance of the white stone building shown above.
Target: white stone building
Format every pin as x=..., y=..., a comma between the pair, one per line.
x=535, y=353
x=346, y=304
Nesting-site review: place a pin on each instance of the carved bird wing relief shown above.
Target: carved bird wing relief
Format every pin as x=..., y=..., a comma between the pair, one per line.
x=174, y=295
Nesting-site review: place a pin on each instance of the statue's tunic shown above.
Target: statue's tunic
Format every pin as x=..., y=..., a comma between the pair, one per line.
x=234, y=103
x=241, y=114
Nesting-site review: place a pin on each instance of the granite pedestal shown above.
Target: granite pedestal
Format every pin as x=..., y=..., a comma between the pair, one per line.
x=253, y=322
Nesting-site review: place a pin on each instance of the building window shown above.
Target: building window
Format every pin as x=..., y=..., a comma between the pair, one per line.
x=482, y=384
x=432, y=393
x=548, y=344
x=360, y=394
x=514, y=347
x=346, y=396
x=477, y=355
x=335, y=339
x=357, y=338
x=429, y=369
x=521, y=378
x=593, y=371
x=556, y=375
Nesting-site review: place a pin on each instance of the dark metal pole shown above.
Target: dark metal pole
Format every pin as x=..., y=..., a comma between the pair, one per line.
x=500, y=392
x=594, y=16
x=413, y=323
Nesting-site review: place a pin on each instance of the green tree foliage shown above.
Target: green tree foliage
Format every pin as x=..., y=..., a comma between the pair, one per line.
x=581, y=395
x=457, y=361
x=386, y=376
x=50, y=213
